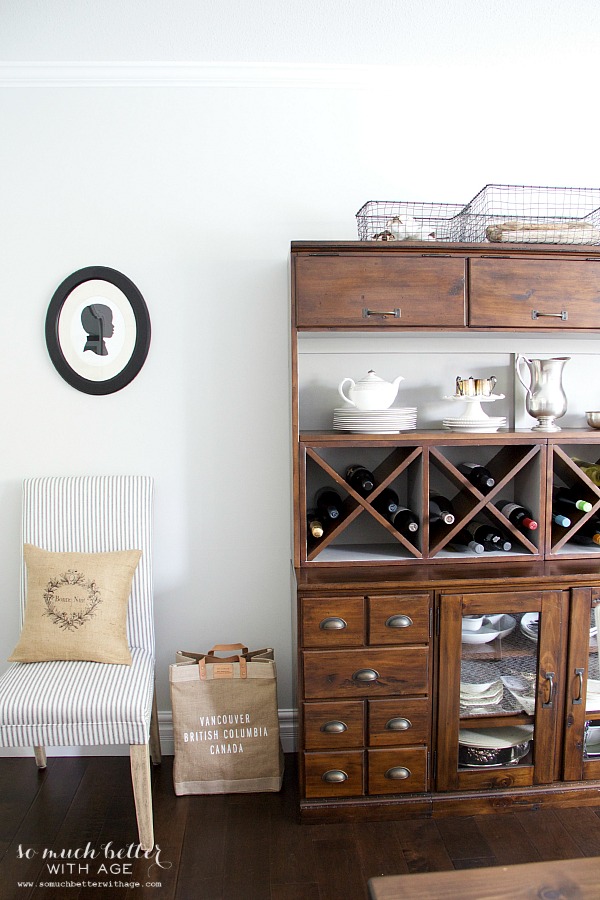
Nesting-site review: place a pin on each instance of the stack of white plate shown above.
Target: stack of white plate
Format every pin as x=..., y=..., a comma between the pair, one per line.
x=375, y=421
x=487, y=424
x=592, y=700
x=483, y=694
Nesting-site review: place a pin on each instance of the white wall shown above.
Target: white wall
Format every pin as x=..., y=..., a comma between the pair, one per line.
x=192, y=180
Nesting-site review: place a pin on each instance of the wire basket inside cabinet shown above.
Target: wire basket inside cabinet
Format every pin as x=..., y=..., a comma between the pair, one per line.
x=386, y=220
x=529, y=214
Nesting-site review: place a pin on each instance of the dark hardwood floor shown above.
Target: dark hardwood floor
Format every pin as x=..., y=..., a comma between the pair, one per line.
x=239, y=845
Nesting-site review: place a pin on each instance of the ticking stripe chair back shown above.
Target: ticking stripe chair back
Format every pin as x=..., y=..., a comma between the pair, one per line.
x=93, y=514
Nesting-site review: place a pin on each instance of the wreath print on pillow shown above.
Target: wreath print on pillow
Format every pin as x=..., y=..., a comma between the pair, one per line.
x=53, y=598
x=76, y=606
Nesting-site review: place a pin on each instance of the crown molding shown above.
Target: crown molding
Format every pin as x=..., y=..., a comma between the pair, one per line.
x=190, y=74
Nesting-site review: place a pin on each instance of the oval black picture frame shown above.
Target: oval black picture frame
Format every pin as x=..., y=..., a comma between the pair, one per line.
x=141, y=340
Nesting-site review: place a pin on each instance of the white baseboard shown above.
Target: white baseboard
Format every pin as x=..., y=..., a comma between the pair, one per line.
x=287, y=731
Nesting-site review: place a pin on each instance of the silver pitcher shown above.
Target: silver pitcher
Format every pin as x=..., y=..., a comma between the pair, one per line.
x=545, y=399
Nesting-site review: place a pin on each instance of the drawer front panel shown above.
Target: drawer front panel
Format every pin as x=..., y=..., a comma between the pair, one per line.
x=381, y=290
x=399, y=620
x=397, y=771
x=399, y=722
x=329, y=726
x=333, y=622
x=334, y=774
x=534, y=294
x=365, y=673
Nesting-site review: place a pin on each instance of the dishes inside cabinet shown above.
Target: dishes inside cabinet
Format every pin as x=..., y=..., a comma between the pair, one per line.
x=530, y=625
x=504, y=623
x=489, y=747
x=486, y=632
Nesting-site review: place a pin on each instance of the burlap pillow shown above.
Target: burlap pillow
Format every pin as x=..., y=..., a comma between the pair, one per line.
x=76, y=606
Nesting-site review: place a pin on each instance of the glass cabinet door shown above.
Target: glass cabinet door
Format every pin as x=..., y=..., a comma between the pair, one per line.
x=500, y=693
x=582, y=723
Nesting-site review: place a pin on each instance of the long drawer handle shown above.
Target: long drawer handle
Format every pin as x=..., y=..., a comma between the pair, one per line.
x=579, y=699
x=334, y=727
x=398, y=773
x=365, y=676
x=384, y=313
x=563, y=314
x=334, y=776
x=399, y=621
x=333, y=623
x=399, y=723
x=549, y=676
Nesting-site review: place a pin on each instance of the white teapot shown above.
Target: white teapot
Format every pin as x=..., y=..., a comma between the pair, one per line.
x=371, y=392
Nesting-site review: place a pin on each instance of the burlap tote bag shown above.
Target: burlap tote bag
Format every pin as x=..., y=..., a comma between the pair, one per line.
x=225, y=722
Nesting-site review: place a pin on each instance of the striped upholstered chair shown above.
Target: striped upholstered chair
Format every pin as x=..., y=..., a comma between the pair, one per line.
x=70, y=703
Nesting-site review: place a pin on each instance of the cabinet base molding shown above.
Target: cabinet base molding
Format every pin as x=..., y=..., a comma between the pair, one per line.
x=457, y=803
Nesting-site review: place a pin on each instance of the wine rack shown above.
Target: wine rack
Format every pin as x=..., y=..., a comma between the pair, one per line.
x=526, y=468
x=566, y=473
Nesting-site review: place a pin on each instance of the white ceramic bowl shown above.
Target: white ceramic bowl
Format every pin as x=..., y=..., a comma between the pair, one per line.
x=472, y=623
x=484, y=635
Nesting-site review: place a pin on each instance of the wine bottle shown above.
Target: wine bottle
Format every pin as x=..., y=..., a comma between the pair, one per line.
x=585, y=540
x=386, y=502
x=314, y=524
x=520, y=517
x=592, y=470
x=478, y=475
x=328, y=503
x=464, y=541
x=360, y=479
x=559, y=519
x=568, y=498
x=440, y=509
x=488, y=535
x=591, y=529
x=405, y=521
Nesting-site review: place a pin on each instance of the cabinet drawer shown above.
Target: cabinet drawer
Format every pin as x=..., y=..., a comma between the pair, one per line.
x=399, y=620
x=337, y=622
x=328, y=726
x=397, y=771
x=365, y=673
x=340, y=291
x=334, y=774
x=399, y=721
x=534, y=294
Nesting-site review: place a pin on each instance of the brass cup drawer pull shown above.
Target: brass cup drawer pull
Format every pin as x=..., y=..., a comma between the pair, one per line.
x=365, y=676
x=334, y=776
x=398, y=773
x=334, y=727
x=399, y=621
x=333, y=623
x=399, y=723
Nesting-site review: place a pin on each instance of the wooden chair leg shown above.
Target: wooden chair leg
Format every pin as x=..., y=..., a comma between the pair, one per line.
x=155, y=754
x=40, y=757
x=142, y=793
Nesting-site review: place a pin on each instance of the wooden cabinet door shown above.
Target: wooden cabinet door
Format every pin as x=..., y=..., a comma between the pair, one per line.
x=379, y=290
x=528, y=667
x=534, y=293
x=582, y=710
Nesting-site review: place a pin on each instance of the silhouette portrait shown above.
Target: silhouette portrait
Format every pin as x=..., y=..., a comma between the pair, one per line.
x=97, y=321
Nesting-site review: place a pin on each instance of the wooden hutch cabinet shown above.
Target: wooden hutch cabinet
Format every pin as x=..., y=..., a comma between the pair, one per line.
x=401, y=712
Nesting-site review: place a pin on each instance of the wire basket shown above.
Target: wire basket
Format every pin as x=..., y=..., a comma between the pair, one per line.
x=417, y=221
x=529, y=214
